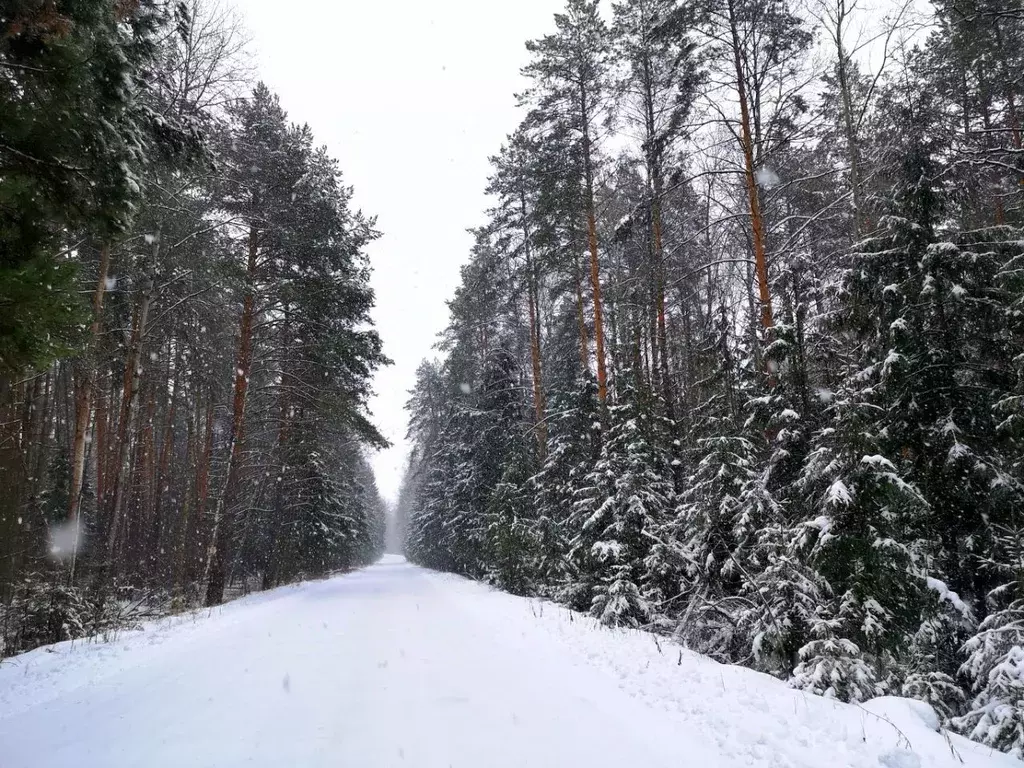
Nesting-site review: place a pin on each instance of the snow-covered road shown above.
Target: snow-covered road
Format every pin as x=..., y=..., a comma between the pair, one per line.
x=398, y=666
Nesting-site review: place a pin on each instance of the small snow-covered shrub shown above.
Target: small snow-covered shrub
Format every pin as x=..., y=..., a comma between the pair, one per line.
x=44, y=609
x=620, y=604
x=995, y=665
x=938, y=689
x=836, y=669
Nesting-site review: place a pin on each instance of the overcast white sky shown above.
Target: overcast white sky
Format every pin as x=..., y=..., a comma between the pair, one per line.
x=411, y=97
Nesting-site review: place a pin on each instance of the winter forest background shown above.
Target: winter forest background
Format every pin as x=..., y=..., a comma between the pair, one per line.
x=737, y=354
x=185, y=341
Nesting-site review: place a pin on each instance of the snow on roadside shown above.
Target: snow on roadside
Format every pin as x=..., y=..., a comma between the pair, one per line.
x=751, y=718
x=48, y=672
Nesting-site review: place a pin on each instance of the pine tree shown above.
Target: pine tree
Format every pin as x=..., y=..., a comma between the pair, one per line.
x=569, y=72
x=652, y=37
x=757, y=44
x=266, y=164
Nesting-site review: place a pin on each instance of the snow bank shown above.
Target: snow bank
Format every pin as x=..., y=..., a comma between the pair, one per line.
x=746, y=718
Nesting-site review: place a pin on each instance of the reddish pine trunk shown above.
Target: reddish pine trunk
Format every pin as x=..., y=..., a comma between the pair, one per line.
x=12, y=481
x=129, y=405
x=756, y=220
x=223, y=529
x=85, y=379
x=595, y=272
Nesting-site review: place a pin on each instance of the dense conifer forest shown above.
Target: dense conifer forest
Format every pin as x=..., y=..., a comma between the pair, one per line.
x=185, y=340
x=737, y=353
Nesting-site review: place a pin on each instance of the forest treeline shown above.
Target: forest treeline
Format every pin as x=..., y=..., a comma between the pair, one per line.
x=185, y=338
x=737, y=353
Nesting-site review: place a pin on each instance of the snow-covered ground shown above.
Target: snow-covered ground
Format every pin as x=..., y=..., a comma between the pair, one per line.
x=398, y=666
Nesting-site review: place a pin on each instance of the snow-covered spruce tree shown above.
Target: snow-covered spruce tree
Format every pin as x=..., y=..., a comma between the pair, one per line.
x=481, y=448
x=475, y=466
x=323, y=530
x=963, y=464
x=866, y=522
x=995, y=655
x=338, y=524
x=722, y=498
x=781, y=594
x=429, y=410
x=934, y=652
x=864, y=517
x=447, y=529
x=1010, y=406
x=622, y=507
x=961, y=342
x=507, y=460
x=428, y=514
x=780, y=591
x=898, y=476
x=664, y=566
x=573, y=445
x=510, y=518
x=964, y=461
x=458, y=495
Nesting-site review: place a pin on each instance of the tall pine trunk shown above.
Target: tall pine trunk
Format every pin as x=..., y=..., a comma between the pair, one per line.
x=535, y=359
x=162, y=478
x=753, y=198
x=595, y=271
x=223, y=522
x=849, y=127
x=84, y=380
x=129, y=406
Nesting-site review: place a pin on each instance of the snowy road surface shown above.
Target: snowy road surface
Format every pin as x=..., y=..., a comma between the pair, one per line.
x=398, y=666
